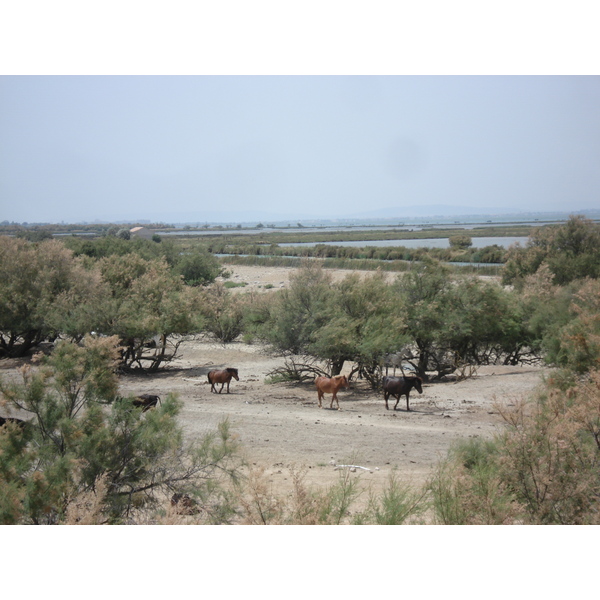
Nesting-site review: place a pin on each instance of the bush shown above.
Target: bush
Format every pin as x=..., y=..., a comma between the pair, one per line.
x=84, y=446
x=550, y=453
x=44, y=291
x=571, y=251
x=146, y=307
x=542, y=469
x=198, y=267
x=223, y=313
x=460, y=242
x=467, y=488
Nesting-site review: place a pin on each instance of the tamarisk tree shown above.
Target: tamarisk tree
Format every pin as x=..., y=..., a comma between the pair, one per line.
x=83, y=439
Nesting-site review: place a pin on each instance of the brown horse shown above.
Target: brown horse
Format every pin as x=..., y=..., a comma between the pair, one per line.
x=223, y=377
x=326, y=385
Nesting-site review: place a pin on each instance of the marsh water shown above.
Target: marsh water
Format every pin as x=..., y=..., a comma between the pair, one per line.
x=478, y=242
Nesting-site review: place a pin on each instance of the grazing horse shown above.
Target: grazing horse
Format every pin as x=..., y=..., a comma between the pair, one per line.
x=326, y=385
x=147, y=401
x=400, y=386
x=223, y=377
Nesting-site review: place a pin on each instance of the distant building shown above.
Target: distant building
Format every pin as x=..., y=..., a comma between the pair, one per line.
x=141, y=232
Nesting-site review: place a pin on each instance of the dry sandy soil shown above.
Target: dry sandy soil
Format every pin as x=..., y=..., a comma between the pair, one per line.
x=281, y=426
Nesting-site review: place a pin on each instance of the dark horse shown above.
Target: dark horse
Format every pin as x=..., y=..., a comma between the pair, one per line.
x=146, y=401
x=14, y=420
x=400, y=386
x=223, y=377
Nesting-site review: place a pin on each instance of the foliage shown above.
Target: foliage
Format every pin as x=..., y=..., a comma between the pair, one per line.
x=44, y=291
x=334, y=505
x=542, y=469
x=577, y=345
x=563, y=321
x=423, y=291
x=147, y=305
x=460, y=241
x=436, y=322
x=198, y=267
x=571, y=251
x=333, y=322
x=36, y=235
x=260, y=506
x=297, y=312
x=109, y=245
x=467, y=488
x=223, y=313
x=551, y=453
x=83, y=440
x=372, y=316
x=397, y=504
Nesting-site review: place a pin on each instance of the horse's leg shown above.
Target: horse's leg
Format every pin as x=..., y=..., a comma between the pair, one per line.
x=221, y=387
x=385, y=397
x=397, y=400
x=228, y=385
x=320, y=396
x=407, y=407
x=336, y=399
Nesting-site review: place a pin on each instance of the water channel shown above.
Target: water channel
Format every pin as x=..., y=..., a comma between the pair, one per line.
x=478, y=242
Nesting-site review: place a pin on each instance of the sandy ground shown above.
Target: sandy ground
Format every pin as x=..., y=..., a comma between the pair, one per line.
x=266, y=279
x=281, y=427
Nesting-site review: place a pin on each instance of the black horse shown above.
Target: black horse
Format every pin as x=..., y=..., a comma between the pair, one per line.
x=400, y=386
x=4, y=420
x=146, y=401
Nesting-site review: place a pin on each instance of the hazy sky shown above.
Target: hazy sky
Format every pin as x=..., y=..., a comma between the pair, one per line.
x=78, y=148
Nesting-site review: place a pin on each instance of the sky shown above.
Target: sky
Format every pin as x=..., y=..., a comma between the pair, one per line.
x=228, y=140
x=85, y=148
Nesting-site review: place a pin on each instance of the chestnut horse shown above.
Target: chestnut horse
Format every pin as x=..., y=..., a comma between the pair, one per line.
x=223, y=377
x=326, y=385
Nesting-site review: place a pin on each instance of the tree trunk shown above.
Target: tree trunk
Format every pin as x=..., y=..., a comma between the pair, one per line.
x=336, y=366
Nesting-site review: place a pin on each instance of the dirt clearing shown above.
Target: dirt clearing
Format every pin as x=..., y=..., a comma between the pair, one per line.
x=281, y=427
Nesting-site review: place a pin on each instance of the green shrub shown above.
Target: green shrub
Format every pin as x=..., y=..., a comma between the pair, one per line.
x=82, y=441
x=467, y=488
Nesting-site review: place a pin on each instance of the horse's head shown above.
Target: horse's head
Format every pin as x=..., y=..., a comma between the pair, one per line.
x=344, y=380
x=418, y=383
x=234, y=373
